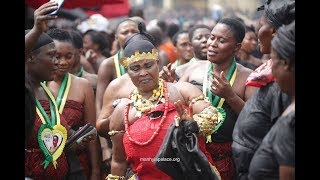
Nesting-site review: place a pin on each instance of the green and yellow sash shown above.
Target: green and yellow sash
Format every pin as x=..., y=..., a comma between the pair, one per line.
x=79, y=74
x=120, y=70
x=215, y=100
x=50, y=130
x=63, y=92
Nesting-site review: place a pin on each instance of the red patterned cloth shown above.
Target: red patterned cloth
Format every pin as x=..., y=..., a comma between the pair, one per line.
x=221, y=154
x=34, y=156
x=261, y=75
x=74, y=113
x=140, y=157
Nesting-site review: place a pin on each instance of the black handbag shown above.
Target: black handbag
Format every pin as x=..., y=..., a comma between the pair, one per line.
x=179, y=155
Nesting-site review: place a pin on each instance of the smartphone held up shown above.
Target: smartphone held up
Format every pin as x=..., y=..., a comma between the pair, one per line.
x=60, y=2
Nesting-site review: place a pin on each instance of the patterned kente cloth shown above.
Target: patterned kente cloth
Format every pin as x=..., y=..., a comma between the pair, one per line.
x=34, y=156
x=74, y=113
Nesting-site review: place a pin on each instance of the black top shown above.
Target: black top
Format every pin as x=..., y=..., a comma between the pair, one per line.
x=224, y=133
x=277, y=148
x=259, y=114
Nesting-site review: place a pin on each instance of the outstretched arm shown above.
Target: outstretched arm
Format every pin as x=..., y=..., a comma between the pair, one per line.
x=41, y=18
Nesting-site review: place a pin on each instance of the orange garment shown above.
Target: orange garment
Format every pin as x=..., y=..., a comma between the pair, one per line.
x=168, y=48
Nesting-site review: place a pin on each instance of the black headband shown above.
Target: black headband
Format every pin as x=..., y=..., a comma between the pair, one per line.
x=284, y=42
x=44, y=39
x=279, y=12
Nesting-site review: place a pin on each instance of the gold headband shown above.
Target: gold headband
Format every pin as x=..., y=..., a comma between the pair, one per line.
x=124, y=61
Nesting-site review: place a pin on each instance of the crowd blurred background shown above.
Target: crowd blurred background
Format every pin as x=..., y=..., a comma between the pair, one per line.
x=182, y=12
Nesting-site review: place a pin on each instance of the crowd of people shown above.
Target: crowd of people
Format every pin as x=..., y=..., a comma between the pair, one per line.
x=167, y=101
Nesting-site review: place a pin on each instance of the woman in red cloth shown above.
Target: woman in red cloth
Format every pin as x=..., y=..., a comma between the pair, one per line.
x=139, y=124
x=75, y=100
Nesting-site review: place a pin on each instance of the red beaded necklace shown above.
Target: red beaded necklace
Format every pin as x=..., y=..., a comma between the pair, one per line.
x=126, y=120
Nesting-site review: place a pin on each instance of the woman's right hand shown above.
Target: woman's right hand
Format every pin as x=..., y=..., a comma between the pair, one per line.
x=41, y=16
x=91, y=56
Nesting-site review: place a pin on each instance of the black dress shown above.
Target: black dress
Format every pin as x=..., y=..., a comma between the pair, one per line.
x=277, y=148
x=254, y=121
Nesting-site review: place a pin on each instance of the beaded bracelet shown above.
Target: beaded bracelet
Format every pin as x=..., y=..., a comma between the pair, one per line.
x=201, y=97
x=206, y=120
x=114, y=177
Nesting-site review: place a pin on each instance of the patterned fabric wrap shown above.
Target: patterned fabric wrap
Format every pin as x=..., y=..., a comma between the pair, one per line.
x=34, y=156
x=261, y=76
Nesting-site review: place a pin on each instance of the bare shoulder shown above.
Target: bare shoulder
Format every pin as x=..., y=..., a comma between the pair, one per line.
x=80, y=89
x=90, y=76
x=123, y=81
x=190, y=68
x=186, y=66
x=244, y=71
x=187, y=90
x=109, y=62
x=181, y=85
x=80, y=80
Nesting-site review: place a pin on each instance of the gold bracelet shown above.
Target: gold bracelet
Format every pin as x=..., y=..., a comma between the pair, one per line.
x=201, y=97
x=114, y=132
x=114, y=177
x=207, y=119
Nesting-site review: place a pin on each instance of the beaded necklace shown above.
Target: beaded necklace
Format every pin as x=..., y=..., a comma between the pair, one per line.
x=144, y=105
x=126, y=118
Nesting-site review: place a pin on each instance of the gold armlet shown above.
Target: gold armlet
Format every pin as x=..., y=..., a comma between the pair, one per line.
x=114, y=177
x=201, y=97
x=206, y=120
x=114, y=132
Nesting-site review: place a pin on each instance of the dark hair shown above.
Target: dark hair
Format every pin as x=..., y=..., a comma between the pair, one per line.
x=135, y=11
x=139, y=36
x=176, y=35
x=172, y=29
x=142, y=41
x=155, y=32
x=162, y=25
x=76, y=39
x=194, y=28
x=60, y=35
x=279, y=12
x=43, y=40
x=236, y=27
x=249, y=29
x=124, y=20
x=99, y=39
x=142, y=45
x=284, y=43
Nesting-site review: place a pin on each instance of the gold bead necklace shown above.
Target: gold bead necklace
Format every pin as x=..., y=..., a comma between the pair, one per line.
x=144, y=105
